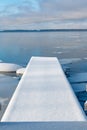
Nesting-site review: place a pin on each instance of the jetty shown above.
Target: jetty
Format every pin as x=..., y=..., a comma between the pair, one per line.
x=43, y=94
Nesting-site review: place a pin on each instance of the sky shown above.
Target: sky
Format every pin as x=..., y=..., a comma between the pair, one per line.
x=43, y=14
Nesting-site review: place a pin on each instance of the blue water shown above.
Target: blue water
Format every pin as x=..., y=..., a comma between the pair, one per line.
x=20, y=47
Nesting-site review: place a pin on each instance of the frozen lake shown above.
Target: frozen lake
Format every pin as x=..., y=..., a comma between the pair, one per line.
x=70, y=47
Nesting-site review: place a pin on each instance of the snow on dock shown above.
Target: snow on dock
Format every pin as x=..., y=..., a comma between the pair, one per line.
x=44, y=94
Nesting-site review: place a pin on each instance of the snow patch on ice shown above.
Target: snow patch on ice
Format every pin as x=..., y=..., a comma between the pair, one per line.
x=20, y=71
x=3, y=100
x=85, y=58
x=57, y=52
x=8, y=67
x=69, y=61
x=57, y=47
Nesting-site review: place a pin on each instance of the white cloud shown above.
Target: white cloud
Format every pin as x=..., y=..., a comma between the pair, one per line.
x=34, y=14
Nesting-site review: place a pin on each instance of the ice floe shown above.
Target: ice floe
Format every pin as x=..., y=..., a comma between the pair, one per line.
x=69, y=61
x=8, y=67
x=58, y=47
x=85, y=58
x=20, y=71
x=57, y=52
x=78, y=78
x=79, y=87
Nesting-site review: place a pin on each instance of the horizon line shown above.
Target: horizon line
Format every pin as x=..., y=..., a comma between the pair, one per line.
x=39, y=30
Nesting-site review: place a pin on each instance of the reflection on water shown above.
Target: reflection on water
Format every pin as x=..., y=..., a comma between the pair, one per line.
x=19, y=47
x=7, y=87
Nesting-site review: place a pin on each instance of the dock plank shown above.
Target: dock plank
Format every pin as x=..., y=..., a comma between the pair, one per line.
x=44, y=94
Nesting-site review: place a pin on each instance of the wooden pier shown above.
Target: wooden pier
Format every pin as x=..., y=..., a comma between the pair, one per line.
x=44, y=94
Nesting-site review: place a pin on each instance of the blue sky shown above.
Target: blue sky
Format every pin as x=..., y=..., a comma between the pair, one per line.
x=43, y=14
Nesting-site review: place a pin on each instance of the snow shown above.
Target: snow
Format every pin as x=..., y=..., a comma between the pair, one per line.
x=78, y=78
x=20, y=71
x=44, y=94
x=85, y=106
x=8, y=67
x=69, y=61
x=85, y=102
x=85, y=58
x=57, y=52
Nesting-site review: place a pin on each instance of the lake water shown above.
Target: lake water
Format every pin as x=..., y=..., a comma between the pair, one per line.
x=20, y=47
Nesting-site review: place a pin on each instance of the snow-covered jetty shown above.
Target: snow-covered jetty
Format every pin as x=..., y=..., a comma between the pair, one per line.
x=44, y=94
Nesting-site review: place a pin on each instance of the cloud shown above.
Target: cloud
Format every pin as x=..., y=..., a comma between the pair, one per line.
x=32, y=14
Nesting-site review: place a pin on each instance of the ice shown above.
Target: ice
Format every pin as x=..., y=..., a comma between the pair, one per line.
x=78, y=78
x=79, y=87
x=58, y=52
x=20, y=71
x=69, y=61
x=8, y=67
x=44, y=94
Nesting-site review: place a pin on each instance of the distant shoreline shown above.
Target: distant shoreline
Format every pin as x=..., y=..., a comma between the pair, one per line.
x=45, y=30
